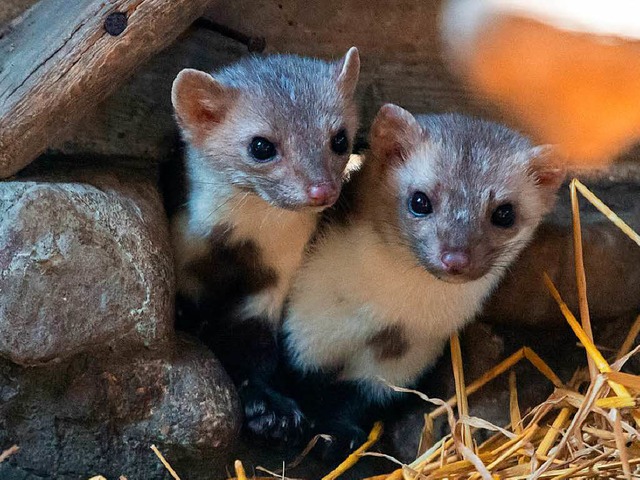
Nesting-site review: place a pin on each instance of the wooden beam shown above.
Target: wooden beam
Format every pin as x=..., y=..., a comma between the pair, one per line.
x=59, y=61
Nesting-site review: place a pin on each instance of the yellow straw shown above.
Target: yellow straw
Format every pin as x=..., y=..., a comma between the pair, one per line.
x=581, y=278
x=591, y=349
x=607, y=212
x=165, y=463
x=461, y=393
x=239, y=468
x=352, y=459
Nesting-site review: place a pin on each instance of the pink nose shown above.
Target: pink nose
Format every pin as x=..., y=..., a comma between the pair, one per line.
x=323, y=194
x=455, y=262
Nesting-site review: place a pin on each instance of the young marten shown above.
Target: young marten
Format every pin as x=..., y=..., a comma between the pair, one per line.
x=443, y=205
x=268, y=141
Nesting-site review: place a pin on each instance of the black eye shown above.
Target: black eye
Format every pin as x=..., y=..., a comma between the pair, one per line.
x=262, y=149
x=340, y=142
x=504, y=216
x=420, y=205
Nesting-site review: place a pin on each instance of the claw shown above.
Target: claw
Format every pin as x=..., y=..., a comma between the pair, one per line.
x=271, y=417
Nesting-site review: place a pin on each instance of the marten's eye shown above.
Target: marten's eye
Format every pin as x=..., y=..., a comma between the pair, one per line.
x=340, y=142
x=504, y=216
x=262, y=149
x=420, y=205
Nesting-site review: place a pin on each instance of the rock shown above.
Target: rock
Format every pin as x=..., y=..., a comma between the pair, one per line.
x=100, y=415
x=84, y=261
x=94, y=372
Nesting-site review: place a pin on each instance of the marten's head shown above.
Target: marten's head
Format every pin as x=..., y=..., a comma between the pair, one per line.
x=280, y=126
x=463, y=195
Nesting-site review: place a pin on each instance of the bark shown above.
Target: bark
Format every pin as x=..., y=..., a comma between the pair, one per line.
x=59, y=60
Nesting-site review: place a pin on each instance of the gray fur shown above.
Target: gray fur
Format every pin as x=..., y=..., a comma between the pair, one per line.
x=374, y=295
x=467, y=167
x=295, y=102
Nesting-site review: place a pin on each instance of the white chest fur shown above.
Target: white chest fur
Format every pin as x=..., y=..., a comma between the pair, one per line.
x=352, y=288
x=280, y=236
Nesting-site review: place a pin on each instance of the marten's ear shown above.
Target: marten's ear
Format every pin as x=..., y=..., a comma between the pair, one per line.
x=547, y=171
x=394, y=134
x=200, y=103
x=546, y=168
x=348, y=72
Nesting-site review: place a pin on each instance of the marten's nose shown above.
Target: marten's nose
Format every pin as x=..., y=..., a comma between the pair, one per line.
x=455, y=262
x=322, y=194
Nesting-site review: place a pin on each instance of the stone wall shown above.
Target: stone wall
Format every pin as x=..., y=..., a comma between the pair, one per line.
x=91, y=372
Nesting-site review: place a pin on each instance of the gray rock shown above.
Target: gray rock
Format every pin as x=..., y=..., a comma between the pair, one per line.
x=100, y=415
x=84, y=261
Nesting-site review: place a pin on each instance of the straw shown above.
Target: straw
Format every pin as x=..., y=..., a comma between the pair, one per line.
x=8, y=452
x=461, y=393
x=239, y=468
x=607, y=212
x=581, y=279
x=591, y=349
x=352, y=459
x=171, y=471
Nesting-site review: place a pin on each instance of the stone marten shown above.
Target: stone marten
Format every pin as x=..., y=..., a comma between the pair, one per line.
x=443, y=205
x=268, y=140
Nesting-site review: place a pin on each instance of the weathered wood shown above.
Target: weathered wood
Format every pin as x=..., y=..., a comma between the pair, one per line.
x=10, y=9
x=138, y=122
x=401, y=63
x=59, y=61
x=402, y=32
x=121, y=125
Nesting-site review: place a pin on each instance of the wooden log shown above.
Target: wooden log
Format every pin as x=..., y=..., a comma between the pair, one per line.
x=59, y=60
x=121, y=127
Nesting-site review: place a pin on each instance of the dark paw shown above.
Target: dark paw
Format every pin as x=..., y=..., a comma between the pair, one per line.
x=345, y=438
x=272, y=418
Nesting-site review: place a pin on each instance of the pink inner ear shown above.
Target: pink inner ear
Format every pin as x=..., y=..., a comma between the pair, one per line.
x=397, y=151
x=202, y=112
x=391, y=150
x=193, y=105
x=200, y=108
x=549, y=176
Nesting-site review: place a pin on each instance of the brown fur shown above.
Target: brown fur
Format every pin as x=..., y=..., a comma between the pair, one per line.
x=389, y=343
x=232, y=268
